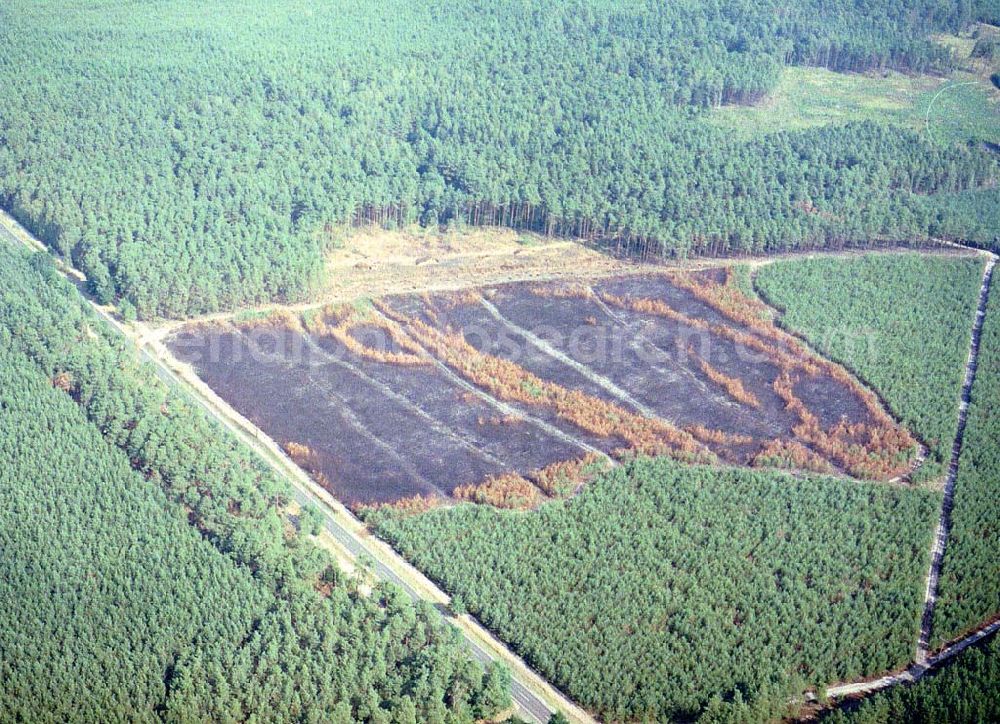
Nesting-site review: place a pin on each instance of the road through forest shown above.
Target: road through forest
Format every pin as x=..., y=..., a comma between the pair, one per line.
x=535, y=698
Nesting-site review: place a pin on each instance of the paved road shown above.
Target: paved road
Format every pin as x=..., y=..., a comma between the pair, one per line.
x=530, y=705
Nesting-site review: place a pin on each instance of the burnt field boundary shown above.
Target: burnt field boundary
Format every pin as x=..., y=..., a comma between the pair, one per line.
x=925, y=662
x=522, y=377
x=534, y=696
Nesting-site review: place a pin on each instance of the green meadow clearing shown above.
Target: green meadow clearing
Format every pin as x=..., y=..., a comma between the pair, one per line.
x=961, y=107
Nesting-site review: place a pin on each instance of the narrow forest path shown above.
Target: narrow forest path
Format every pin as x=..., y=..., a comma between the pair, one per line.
x=944, y=518
x=915, y=671
x=924, y=662
x=404, y=282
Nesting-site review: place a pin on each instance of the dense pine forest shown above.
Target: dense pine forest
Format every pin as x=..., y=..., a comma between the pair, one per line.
x=90, y=578
x=665, y=591
x=154, y=572
x=216, y=170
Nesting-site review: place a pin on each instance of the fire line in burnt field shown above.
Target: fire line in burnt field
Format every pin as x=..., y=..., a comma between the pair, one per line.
x=519, y=393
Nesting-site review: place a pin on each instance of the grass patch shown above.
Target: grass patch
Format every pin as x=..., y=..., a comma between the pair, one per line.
x=253, y=315
x=962, y=107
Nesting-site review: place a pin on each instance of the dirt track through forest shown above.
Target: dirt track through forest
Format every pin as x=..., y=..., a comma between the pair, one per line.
x=944, y=519
x=915, y=671
x=924, y=662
